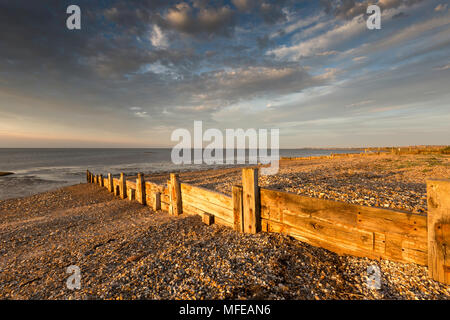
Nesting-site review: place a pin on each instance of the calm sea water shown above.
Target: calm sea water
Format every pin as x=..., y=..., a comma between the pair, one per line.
x=39, y=170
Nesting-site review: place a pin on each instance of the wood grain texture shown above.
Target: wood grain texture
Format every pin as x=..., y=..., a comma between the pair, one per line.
x=346, y=228
x=237, y=197
x=215, y=197
x=438, y=198
x=251, y=201
x=140, y=189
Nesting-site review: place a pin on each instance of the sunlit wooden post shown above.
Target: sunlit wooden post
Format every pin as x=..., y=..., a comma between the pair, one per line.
x=237, y=208
x=175, y=195
x=110, y=183
x=140, y=189
x=251, y=202
x=156, y=201
x=123, y=186
x=438, y=198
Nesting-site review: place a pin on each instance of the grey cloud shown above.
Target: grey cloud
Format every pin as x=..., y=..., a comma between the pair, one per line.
x=187, y=19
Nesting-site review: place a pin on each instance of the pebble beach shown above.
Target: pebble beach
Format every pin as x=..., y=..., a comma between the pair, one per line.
x=127, y=251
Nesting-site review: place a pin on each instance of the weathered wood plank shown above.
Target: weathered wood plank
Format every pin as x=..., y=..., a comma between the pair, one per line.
x=153, y=187
x=315, y=240
x=131, y=184
x=212, y=196
x=367, y=218
x=220, y=212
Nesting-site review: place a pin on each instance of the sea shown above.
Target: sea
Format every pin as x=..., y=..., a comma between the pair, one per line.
x=40, y=170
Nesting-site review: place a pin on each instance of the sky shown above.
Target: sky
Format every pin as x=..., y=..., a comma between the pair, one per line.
x=139, y=69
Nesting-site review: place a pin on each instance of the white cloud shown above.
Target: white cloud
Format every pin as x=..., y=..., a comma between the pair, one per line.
x=322, y=42
x=158, y=38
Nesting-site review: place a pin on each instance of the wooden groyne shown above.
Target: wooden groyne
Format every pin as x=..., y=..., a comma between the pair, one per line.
x=339, y=227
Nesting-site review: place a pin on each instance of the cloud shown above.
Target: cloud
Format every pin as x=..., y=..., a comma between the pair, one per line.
x=141, y=65
x=442, y=68
x=321, y=43
x=184, y=18
x=157, y=38
x=441, y=7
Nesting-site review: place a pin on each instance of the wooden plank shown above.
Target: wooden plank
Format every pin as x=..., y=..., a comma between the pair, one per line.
x=220, y=212
x=165, y=206
x=438, y=198
x=212, y=196
x=131, y=184
x=415, y=251
x=305, y=206
x=153, y=187
x=251, y=200
x=237, y=208
x=156, y=201
x=367, y=218
x=315, y=240
x=327, y=231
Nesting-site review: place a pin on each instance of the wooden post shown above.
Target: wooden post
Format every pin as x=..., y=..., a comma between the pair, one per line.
x=251, y=203
x=102, y=182
x=438, y=198
x=208, y=219
x=123, y=186
x=156, y=201
x=140, y=189
x=96, y=179
x=175, y=195
x=88, y=176
x=131, y=194
x=110, y=183
x=116, y=190
x=237, y=208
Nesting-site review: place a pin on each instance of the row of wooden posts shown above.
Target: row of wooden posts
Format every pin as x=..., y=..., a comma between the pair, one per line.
x=340, y=227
